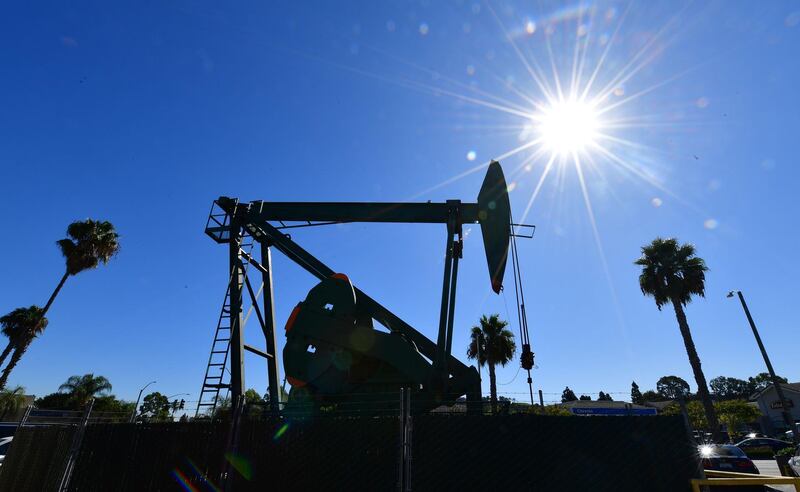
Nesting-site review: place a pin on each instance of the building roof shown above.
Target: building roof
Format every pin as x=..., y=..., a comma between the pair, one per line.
x=791, y=387
x=660, y=405
x=600, y=404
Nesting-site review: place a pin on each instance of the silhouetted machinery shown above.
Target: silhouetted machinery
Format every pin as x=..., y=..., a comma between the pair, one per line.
x=333, y=350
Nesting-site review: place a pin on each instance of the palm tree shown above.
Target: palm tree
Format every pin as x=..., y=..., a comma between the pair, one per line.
x=12, y=326
x=81, y=389
x=491, y=344
x=21, y=326
x=90, y=243
x=10, y=401
x=672, y=273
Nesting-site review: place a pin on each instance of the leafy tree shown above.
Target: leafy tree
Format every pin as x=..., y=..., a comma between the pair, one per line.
x=155, y=407
x=734, y=413
x=672, y=274
x=110, y=403
x=282, y=396
x=730, y=388
x=81, y=389
x=21, y=326
x=491, y=344
x=55, y=401
x=102, y=403
x=11, y=400
x=604, y=397
x=568, y=395
x=672, y=387
x=585, y=398
x=636, y=395
x=694, y=410
x=555, y=410
x=762, y=381
x=651, y=395
x=251, y=397
x=222, y=409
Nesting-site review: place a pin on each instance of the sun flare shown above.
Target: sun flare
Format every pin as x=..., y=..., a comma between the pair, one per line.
x=568, y=126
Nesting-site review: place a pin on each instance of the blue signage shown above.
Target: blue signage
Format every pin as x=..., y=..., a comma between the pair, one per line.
x=614, y=411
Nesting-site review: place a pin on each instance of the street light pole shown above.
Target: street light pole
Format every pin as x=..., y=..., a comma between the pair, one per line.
x=136, y=405
x=787, y=417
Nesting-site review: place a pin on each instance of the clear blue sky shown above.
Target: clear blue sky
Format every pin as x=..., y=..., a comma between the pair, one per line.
x=142, y=114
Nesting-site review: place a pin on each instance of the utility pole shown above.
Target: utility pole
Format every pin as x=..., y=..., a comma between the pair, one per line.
x=787, y=417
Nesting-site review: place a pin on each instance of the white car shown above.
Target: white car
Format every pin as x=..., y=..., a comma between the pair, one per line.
x=5, y=442
x=794, y=462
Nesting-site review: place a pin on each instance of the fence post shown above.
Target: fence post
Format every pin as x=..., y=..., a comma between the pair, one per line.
x=233, y=442
x=77, y=439
x=25, y=416
x=405, y=436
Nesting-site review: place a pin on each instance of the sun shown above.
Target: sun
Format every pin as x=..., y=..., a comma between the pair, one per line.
x=566, y=127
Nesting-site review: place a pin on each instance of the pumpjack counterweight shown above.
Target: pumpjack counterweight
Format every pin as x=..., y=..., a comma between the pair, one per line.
x=332, y=349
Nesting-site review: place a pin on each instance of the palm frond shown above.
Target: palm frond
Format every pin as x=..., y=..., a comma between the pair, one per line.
x=671, y=272
x=90, y=243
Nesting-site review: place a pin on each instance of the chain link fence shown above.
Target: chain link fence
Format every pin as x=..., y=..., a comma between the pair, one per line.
x=350, y=447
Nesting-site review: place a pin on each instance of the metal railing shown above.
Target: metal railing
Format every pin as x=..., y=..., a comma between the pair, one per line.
x=733, y=479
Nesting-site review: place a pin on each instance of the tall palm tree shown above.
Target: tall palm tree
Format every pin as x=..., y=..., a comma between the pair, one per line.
x=90, y=243
x=12, y=325
x=672, y=273
x=21, y=325
x=491, y=344
x=10, y=401
x=81, y=389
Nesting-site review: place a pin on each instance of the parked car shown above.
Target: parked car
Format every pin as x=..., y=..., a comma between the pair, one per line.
x=5, y=442
x=762, y=448
x=726, y=457
x=794, y=462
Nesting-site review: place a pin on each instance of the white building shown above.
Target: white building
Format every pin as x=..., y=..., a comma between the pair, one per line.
x=770, y=406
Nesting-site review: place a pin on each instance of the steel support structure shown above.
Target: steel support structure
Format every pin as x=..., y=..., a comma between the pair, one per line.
x=273, y=371
x=237, y=382
x=233, y=233
x=451, y=378
x=453, y=250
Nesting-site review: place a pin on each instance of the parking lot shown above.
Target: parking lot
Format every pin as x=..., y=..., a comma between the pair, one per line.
x=770, y=467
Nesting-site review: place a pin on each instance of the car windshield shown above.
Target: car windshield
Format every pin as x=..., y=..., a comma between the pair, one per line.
x=720, y=451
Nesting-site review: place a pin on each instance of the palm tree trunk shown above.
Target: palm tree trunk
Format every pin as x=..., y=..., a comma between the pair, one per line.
x=6, y=352
x=18, y=353
x=493, y=388
x=54, y=294
x=699, y=377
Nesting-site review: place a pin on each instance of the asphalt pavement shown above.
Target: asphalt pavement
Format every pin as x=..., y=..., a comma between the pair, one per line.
x=770, y=467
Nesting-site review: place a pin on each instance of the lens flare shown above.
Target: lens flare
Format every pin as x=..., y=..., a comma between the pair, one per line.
x=184, y=481
x=281, y=431
x=240, y=464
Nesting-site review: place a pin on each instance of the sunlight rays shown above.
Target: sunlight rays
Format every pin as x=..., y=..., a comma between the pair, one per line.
x=574, y=113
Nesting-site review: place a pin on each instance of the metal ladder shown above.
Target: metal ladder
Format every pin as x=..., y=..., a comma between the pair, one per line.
x=214, y=380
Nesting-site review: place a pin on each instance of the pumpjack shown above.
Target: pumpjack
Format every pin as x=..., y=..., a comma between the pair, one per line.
x=332, y=348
